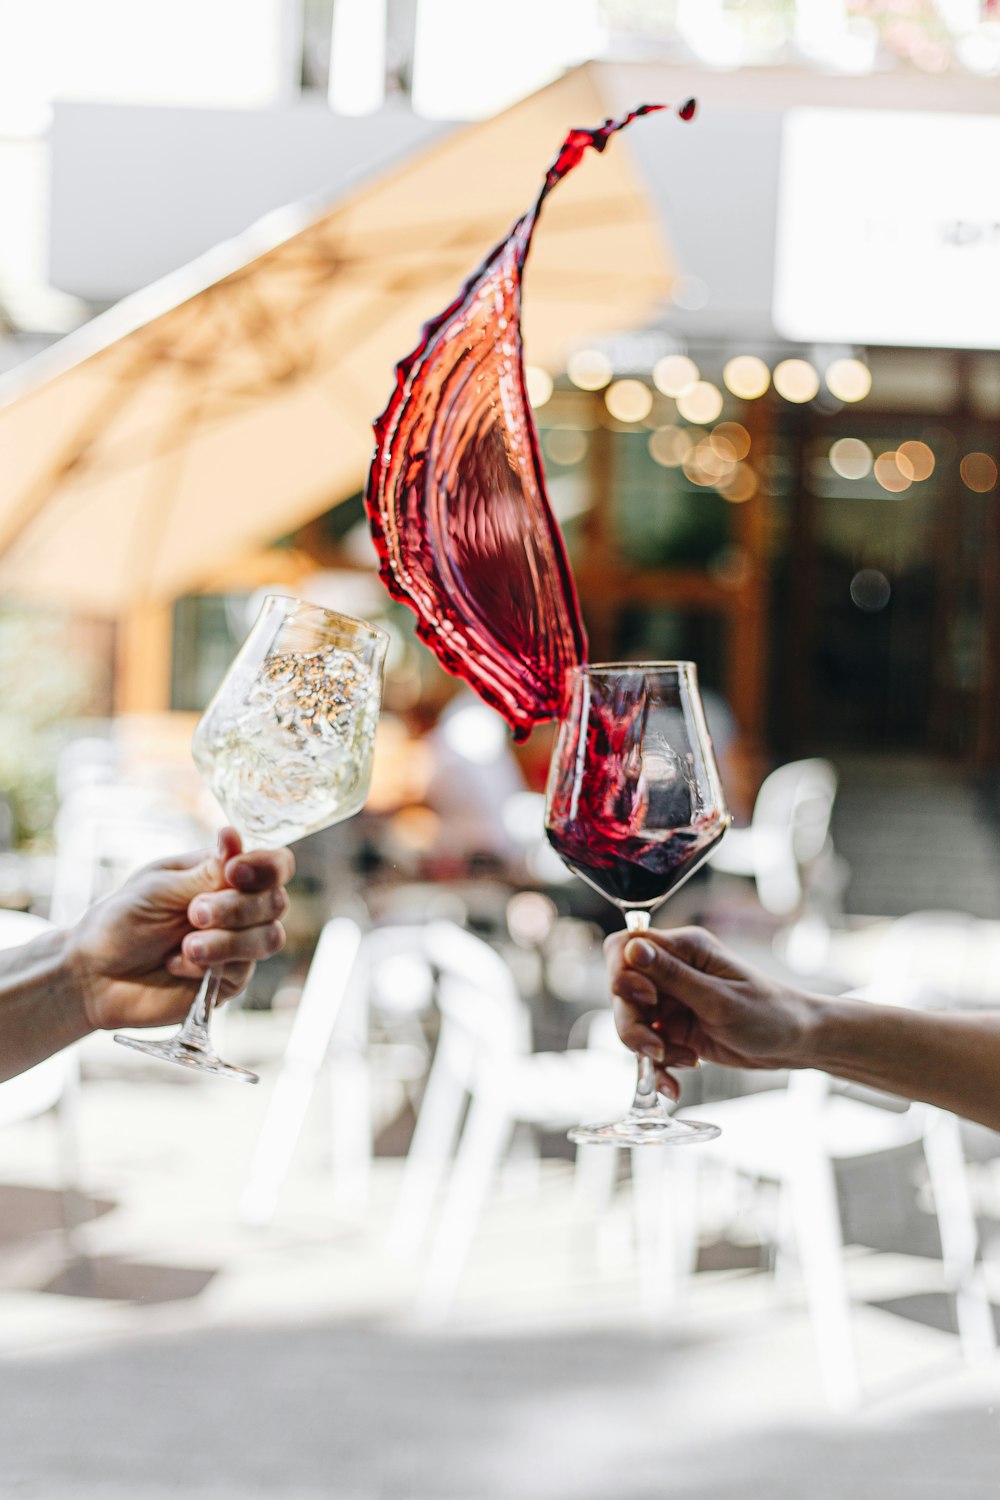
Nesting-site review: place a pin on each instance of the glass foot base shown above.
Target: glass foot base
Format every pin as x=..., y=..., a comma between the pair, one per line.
x=196, y=1058
x=639, y=1132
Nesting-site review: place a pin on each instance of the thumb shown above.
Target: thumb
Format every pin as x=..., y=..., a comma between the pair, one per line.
x=183, y=881
x=675, y=963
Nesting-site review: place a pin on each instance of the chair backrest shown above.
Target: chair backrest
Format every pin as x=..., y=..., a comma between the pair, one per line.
x=86, y=761
x=38, y=1089
x=105, y=831
x=791, y=823
x=798, y=798
x=476, y=992
x=403, y=967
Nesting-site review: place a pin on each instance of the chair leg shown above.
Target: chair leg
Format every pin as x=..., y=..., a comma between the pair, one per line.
x=433, y=1143
x=486, y=1135
x=816, y=1217
x=594, y=1174
x=650, y=1171
x=319, y=1016
x=351, y=1145
x=67, y=1119
x=276, y=1143
x=678, y=1228
x=664, y=1191
x=959, y=1237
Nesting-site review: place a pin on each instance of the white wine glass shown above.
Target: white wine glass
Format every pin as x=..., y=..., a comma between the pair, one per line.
x=286, y=746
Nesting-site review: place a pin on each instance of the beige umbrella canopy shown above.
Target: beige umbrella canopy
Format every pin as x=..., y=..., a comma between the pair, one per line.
x=231, y=402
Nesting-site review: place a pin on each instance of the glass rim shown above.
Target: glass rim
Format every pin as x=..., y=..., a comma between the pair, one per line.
x=603, y=668
x=329, y=614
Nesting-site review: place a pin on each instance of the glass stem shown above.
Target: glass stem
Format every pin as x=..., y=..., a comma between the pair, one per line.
x=647, y=1100
x=194, y=1032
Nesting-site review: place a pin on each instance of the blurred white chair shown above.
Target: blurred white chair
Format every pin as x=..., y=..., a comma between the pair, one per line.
x=794, y=1136
x=87, y=760
x=331, y=1029
x=104, y=831
x=789, y=831
x=52, y=1085
x=661, y=1190
x=484, y=1061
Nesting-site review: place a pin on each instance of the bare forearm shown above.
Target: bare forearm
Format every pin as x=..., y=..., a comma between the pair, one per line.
x=948, y=1059
x=41, y=1006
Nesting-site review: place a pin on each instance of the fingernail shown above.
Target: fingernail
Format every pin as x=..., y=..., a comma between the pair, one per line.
x=640, y=953
x=197, y=951
x=654, y=1052
x=201, y=914
x=243, y=876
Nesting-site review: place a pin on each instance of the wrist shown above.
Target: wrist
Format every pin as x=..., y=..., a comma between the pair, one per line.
x=813, y=1033
x=42, y=1005
x=835, y=1036
x=81, y=980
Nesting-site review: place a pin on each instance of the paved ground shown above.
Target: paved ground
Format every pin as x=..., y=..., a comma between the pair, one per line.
x=189, y=1355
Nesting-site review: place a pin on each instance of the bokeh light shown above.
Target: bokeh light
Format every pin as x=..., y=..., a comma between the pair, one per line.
x=731, y=439
x=538, y=383
x=628, y=400
x=903, y=465
x=919, y=457
x=589, y=369
x=741, y=485
x=670, y=446
x=979, y=472
x=675, y=374
x=746, y=376
x=848, y=379
x=711, y=462
x=890, y=475
x=693, y=470
x=796, y=380
x=870, y=590
x=702, y=403
x=732, y=567
x=565, y=445
x=850, y=458
x=689, y=293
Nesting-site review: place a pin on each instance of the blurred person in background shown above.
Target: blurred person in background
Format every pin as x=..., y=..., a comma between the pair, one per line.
x=473, y=773
x=682, y=995
x=137, y=958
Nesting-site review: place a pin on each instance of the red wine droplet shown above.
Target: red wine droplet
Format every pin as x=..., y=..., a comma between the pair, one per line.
x=456, y=492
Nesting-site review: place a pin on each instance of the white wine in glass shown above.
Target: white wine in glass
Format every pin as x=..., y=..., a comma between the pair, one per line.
x=286, y=746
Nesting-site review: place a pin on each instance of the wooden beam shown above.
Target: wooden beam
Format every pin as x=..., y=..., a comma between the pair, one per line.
x=143, y=659
x=748, y=644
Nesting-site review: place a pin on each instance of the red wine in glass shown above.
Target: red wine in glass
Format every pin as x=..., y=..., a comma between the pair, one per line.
x=634, y=805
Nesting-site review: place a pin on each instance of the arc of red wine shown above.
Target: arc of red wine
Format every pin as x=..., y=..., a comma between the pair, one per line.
x=456, y=493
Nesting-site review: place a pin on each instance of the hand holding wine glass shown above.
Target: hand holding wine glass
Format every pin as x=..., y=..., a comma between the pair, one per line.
x=634, y=806
x=286, y=745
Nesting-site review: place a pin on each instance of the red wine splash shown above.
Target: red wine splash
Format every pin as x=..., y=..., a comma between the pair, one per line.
x=456, y=491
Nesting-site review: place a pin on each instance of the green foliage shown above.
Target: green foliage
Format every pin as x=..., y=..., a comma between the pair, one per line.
x=45, y=680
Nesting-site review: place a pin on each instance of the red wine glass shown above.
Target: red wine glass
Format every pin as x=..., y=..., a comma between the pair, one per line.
x=634, y=806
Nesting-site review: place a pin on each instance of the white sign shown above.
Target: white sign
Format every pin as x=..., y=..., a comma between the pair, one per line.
x=889, y=229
